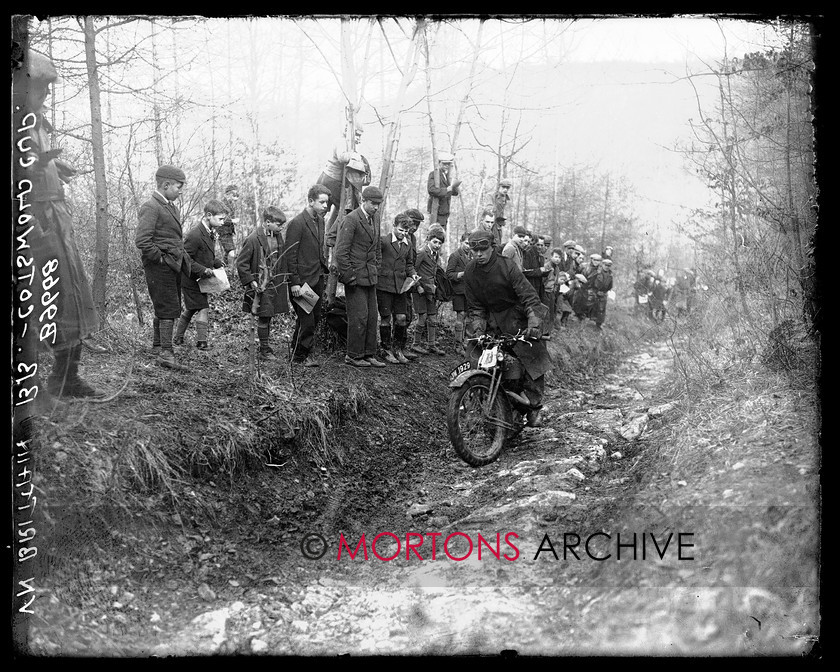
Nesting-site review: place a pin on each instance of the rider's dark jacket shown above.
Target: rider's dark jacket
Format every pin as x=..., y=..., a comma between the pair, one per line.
x=501, y=300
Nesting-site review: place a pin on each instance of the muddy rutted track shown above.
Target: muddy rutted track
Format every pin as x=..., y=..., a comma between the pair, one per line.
x=248, y=588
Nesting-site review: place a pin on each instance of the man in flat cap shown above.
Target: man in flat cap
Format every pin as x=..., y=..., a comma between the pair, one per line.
x=500, y=201
x=440, y=187
x=358, y=255
x=501, y=300
x=159, y=238
x=64, y=312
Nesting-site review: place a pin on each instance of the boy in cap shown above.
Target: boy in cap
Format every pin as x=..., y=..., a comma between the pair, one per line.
x=455, y=267
x=554, y=281
x=358, y=255
x=440, y=188
x=416, y=220
x=159, y=239
x=428, y=259
x=200, y=244
x=397, y=266
x=261, y=264
x=65, y=304
x=306, y=264
x=533, y=265
x=586, y=300
x=601, y=284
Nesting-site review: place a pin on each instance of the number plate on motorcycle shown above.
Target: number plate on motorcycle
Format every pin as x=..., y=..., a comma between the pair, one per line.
x=488, y=358
x=458, y=370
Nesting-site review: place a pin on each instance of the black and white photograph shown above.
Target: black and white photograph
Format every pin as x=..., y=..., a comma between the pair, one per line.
x=485, y=335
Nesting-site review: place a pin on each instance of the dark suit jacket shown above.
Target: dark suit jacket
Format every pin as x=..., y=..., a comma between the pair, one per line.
x=427, y=265
x=305, y=249
x=201, y=247
x=397, y=264
x=457, y=263
x=254, y=250
x=358, y=250
x=441, y=192
x=159, y=236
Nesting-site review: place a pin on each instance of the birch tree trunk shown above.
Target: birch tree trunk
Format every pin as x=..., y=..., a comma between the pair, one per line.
x=435, y=201
x=155, y=105
x=409, y=71
x=460, y=119
x=100, y=263
x=604, y=214
x=348, y=85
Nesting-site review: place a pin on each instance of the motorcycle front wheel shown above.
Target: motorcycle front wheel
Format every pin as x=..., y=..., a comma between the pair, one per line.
x=476, y=436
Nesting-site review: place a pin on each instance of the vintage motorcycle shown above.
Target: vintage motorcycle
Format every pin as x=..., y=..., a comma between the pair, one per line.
x=487, y=406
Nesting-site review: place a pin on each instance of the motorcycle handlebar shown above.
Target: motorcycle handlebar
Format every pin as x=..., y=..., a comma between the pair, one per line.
x=507, y=338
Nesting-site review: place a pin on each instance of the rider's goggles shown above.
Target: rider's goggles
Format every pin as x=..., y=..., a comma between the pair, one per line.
x=480, y=245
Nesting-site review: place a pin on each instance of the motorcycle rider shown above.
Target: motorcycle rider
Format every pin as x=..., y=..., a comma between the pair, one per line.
x=501, y=300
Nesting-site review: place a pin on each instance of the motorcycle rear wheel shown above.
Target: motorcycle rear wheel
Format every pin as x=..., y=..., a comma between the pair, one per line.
x=477, y=438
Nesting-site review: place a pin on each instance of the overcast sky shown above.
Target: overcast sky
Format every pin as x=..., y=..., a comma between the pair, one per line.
x=663, y=39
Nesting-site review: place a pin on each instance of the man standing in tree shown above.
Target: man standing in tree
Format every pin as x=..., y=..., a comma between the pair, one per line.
x=356, y=172
x=501, y=200
x=440, y=188
x=306, y=264
x=358, y=255
x=159, y=238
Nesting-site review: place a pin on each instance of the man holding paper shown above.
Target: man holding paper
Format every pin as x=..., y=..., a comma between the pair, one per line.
x=307, y=267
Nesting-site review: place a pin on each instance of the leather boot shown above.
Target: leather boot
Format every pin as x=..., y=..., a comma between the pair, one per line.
x=64, y=381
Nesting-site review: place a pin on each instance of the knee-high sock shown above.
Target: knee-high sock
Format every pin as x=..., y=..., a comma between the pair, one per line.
x=156, y=333
x=183, y=322
x=400, y=336
x=263, y=331
x=420, y=329
x=385, y=336
x=459, y=328
x=166, y=327
x=432, y=330
x=201, y=329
